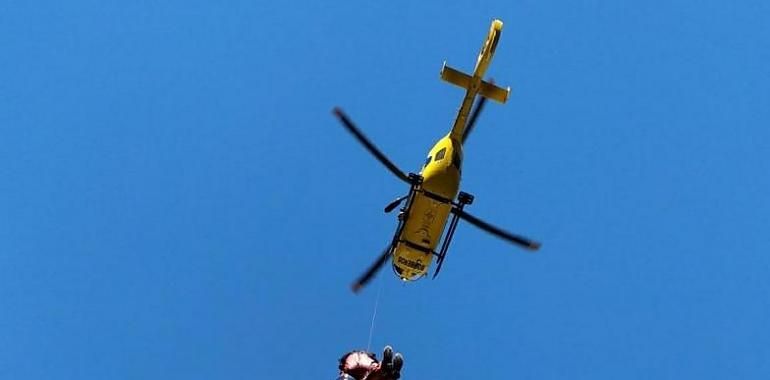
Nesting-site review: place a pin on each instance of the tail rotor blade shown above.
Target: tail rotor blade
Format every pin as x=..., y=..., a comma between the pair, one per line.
x=369, y=146
x=505, y=235
x=373, y=269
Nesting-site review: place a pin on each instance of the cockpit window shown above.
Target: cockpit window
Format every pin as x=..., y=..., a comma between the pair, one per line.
x=440, y=154
x=427, y=161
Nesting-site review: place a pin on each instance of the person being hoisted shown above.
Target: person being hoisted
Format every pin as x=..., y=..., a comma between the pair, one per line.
x=362, y=365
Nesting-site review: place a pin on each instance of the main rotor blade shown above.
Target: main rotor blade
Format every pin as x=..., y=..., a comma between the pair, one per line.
x=369, y=146
x=369, y=274
x=505, y=235
x=474, y=115
x=395, y=203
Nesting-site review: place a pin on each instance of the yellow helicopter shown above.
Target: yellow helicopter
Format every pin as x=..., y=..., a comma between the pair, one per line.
x=433, y=194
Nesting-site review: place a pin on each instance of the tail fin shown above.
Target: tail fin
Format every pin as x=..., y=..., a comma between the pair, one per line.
x=486, y=89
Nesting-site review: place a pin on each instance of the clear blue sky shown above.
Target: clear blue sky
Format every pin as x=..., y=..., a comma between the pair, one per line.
x=177, y=201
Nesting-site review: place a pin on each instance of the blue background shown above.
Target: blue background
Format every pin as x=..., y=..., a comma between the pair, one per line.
x=178, y=202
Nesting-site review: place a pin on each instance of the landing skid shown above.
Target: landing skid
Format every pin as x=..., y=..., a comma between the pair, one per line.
x=415, y=181
x=462, y=199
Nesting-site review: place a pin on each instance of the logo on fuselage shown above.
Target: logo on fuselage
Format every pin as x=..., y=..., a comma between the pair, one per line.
x=427, y=221
x=414, y=264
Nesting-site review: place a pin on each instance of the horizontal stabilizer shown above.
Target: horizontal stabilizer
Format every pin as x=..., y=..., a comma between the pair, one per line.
x=490, y=91
x=455, y=77
x=487, y=90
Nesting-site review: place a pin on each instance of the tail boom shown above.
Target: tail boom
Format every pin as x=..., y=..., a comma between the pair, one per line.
x=474, y=84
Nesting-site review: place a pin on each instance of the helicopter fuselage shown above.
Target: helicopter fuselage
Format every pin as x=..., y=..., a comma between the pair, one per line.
x=424, y=217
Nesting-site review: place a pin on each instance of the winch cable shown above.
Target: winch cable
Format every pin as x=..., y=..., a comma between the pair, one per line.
x=374, y=315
